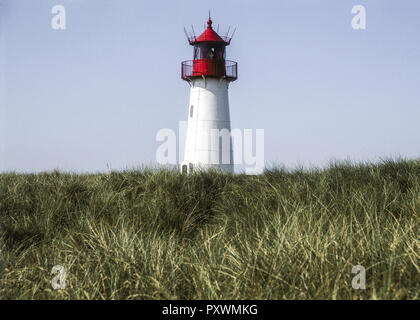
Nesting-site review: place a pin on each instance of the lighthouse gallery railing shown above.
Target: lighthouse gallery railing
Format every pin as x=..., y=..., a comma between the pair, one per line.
x=230, y=69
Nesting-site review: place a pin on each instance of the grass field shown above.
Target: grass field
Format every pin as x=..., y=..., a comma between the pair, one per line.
x=155, y=234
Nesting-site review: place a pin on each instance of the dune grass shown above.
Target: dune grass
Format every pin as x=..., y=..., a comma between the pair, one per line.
x=155, y=234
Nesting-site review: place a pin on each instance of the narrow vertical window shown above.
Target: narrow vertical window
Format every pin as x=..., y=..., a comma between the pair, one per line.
x=191, y=111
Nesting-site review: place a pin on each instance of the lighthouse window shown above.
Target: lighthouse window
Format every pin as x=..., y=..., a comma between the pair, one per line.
x=207, y=52
x=196, y=53
x=204, y=52
x=191, y=111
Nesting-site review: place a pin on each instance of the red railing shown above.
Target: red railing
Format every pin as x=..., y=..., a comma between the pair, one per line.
x=209, y=68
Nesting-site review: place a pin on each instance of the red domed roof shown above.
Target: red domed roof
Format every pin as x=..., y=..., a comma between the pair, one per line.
x=209, y=34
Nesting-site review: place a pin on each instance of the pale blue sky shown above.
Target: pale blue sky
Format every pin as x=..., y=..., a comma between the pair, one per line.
x=98, y=92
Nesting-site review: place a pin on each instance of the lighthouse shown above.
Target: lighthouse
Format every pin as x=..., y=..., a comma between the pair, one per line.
x=208, y=140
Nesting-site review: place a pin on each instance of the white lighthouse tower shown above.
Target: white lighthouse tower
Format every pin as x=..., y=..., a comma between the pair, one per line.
x=208, y=144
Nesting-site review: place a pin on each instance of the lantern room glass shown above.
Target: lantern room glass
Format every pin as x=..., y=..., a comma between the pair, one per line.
x=209, y=52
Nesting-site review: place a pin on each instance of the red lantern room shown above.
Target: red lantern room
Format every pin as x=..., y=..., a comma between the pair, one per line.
x=209, y=56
